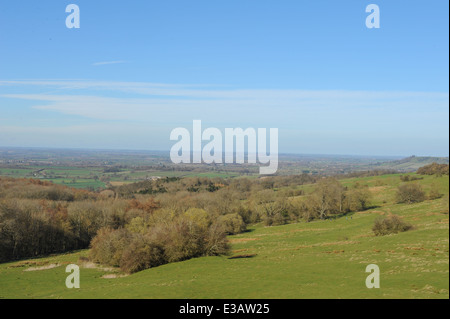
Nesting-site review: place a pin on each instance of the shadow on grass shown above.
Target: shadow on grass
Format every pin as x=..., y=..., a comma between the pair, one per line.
x=242, y=256
x=350, y=214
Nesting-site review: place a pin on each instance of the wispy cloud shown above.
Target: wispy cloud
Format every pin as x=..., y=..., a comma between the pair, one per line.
x=338, y=120
x=140, y=100
x=208, y=92
x=108, y=62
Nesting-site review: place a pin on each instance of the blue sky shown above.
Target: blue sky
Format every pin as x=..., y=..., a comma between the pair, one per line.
x=136, y=70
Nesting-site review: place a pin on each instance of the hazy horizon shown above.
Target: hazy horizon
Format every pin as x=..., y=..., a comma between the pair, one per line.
x=167, y=151
x=129, y=76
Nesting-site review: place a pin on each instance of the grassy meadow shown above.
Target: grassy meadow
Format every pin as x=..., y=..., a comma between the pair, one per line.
x=319, y=259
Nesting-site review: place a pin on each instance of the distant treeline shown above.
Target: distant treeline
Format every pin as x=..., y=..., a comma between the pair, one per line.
x=368, y=173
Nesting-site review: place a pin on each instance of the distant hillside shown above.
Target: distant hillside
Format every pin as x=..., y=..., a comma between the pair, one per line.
x=410, y=164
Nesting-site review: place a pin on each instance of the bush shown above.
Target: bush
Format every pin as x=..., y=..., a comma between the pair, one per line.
x=434, y=192
x=141, y=254
x=410, y=193
x=274, y=213
x=216, y=241
x=232, y=224
x=407, y=178
x=109, y=245
x=57, y=194
x=136, y=248
x=391, y=224
x=434, y=169
x=184, y=239
x=197, y=216
x=445, y=201
x=357, y=200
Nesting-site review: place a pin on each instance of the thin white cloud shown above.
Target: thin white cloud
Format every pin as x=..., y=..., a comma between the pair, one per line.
x=206, y=92
x=124, y=110
x=108, y=62
x=143, y=101
x=130, y=87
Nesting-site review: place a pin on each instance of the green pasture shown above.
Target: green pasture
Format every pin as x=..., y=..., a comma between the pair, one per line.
x=320, y=259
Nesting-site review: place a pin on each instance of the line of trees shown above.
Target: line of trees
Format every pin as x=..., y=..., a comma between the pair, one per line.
x=30, y=228
x=40, y=218
x=331, y=198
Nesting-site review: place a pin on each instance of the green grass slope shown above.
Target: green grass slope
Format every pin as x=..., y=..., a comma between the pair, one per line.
x=321, y=259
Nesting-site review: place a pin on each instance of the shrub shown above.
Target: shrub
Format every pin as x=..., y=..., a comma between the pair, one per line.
x=197, y=216
x=232, y=223
x=434, y=169
x=434, y=192
x=404, y=178
x=407, y=178
x=410, y=193
x=216, y=241
x=391, y=224
x=184, y=240
x=58, y=194
x=445, y=203
x=137, y=225
x=175, y=239
x=357, y=200
x=109, y=245
x=142, y=253
x=274, y=213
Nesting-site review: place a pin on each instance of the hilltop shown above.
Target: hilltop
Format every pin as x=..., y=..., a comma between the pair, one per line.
x=410, y=164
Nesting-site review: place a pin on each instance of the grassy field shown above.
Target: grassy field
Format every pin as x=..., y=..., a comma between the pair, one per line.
x=321, y=259
x=96, y=178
